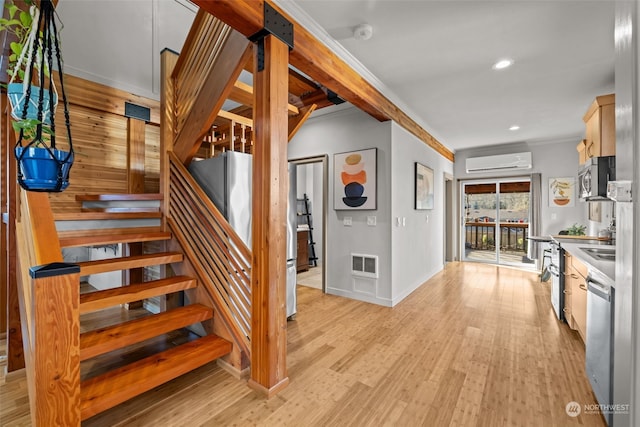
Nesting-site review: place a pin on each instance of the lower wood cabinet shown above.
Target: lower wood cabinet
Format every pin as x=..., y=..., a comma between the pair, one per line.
x=576, y=288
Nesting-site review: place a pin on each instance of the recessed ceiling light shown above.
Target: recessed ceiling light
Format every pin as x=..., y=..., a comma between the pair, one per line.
x=502, y=64
x=514, y=127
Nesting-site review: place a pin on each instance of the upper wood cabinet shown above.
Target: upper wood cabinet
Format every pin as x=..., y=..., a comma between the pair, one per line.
x=600, y=134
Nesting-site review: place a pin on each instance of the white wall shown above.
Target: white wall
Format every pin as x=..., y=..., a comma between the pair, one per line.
x=551, y=159
x=151, y=26
x=417, y=246
x=407, y=255
x=338, y=132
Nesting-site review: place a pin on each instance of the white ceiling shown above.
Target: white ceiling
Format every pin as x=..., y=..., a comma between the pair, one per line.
x=434, y=58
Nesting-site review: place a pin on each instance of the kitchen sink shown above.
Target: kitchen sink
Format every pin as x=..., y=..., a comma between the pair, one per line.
x=602, y=254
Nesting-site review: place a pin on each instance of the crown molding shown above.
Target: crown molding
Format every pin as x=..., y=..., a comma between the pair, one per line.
x=296, y=12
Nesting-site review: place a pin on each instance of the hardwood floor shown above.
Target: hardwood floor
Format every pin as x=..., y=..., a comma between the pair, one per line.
x=477, y=345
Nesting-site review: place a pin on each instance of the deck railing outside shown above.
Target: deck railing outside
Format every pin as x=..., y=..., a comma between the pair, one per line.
x=482, y=236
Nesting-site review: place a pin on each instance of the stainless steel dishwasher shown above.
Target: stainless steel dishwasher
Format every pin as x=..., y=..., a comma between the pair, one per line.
x=599, y=345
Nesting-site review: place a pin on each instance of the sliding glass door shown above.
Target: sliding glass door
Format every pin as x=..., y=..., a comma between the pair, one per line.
x=496, y=221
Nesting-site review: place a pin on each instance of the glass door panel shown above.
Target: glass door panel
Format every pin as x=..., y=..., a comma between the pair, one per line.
x=514, y=222
x=496, y=221
x=480, y=202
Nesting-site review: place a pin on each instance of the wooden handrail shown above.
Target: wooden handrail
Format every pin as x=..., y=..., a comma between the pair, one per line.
x=219, y=256
x=49, y=311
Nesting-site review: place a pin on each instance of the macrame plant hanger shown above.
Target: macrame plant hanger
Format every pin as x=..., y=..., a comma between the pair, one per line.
x=41, y=51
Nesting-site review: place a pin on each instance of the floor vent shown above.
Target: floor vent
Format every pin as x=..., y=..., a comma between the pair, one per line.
x=364, y=265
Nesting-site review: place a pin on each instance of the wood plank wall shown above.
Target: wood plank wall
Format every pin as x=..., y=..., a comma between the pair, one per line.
x=99, y=130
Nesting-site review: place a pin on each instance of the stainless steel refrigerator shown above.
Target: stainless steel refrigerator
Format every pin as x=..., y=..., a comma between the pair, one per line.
x=226, y=179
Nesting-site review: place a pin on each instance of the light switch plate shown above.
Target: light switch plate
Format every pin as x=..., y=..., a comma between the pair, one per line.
x=347, y=221
x=371, y=221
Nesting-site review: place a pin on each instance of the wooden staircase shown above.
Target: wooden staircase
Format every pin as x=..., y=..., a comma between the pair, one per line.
x=108, y=389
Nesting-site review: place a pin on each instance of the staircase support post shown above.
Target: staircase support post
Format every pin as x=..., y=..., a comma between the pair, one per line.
x=270, y=190
x=54, y=348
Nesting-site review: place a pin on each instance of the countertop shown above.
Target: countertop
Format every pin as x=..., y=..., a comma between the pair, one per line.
x=606, y=268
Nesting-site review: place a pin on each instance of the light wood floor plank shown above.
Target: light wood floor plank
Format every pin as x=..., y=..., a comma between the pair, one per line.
x=477, y=345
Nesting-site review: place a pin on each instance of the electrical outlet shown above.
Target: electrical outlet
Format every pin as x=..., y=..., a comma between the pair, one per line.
x=347, y=221
x=371, y=221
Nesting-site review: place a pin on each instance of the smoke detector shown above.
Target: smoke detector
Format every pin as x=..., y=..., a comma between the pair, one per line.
x=363, y=32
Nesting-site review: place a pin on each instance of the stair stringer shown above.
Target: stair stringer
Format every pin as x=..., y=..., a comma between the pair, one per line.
x=237, y=361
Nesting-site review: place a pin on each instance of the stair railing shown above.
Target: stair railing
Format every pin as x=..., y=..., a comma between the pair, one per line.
x=217, y=253
x=49, y=298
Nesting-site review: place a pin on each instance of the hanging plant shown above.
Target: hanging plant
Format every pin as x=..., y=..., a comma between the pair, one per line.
x=41, y=166
x=23, y=67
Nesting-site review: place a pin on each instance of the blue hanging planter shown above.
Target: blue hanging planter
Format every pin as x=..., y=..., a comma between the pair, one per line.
x=17, y=98
x=41, y=166
x=40, y=171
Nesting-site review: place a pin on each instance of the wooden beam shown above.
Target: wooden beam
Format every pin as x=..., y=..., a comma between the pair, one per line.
x=243, y=94
x=295, y=123
x=317, y=61
x=168, y=60
x=270, y=197
x=135, y=185
x=57, y=351
x=235, y=118
x=135, y=155
x=211, y=96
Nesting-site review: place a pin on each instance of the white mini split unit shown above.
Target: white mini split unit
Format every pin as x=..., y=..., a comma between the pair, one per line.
x=502, y=162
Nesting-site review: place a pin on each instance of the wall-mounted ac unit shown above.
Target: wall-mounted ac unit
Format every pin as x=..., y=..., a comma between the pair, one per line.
x=499, y=162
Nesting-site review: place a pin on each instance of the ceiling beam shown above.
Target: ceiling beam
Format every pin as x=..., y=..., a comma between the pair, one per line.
x=317, y=61
x=235, y=118
x=243, y=94
x=296, y=122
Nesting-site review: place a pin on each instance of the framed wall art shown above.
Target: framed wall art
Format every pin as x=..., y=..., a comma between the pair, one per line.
x=355, y=180
x=423, y=187
x=562, y=192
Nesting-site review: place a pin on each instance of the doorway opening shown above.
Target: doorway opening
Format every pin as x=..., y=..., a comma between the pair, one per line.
x=448, y=219
x=311, y=210
x=495, y=227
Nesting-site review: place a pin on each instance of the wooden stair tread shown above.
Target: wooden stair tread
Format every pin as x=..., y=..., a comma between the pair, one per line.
x=99, y=300
x=118, y=197
x=121, y=209
x=109, y=236
x=105, y=215
x=112, y=388
x=104, y=340
x=128, y=262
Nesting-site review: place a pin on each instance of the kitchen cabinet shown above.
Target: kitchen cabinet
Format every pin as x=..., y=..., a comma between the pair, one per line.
x=576, y=284
x=303, y=251
x=600, y=133
x=567, y=290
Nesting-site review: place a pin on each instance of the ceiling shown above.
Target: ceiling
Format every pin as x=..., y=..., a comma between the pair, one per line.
x=434, y=60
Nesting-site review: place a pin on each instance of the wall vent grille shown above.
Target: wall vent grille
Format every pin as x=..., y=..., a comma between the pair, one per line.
x=364, y=265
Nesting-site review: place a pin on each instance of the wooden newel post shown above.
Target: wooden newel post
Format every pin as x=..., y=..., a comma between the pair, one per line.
x=269, y=211
x=54, y=377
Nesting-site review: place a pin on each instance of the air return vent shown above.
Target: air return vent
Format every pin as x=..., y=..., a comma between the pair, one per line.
x=364, y=265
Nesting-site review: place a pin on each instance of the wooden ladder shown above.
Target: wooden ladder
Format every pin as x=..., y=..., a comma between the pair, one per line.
x=108, y=389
